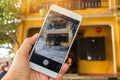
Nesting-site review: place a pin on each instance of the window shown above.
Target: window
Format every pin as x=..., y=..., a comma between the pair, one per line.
x=118, y=4
x=32, y=31
x=82, y=48
x=91, y=48
x=35, y=5
x=57, y=39
x=92, y=3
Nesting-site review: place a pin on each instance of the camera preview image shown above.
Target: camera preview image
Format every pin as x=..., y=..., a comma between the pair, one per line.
x=56, y=36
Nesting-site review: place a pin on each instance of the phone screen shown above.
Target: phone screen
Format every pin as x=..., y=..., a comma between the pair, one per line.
x=55, y=39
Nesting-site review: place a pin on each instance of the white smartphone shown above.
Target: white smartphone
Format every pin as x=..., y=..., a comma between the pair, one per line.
x=54, y=42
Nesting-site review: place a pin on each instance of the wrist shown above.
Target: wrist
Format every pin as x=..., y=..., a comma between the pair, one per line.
x=8, y=76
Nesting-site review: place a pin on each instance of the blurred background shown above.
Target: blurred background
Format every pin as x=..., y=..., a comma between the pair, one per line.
x=9, y=20
x=95, y=52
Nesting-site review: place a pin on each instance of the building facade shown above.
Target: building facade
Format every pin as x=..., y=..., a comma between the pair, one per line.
x=95, y=50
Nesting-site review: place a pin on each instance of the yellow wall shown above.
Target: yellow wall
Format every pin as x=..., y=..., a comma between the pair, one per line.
x=98, y=67
x=89, y=67
x=28, y=24
x=118, y=44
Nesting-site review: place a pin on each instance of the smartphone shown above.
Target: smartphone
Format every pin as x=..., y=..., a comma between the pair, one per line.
x=55, y=40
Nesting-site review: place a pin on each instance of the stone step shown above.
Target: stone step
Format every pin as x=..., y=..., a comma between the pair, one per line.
x=78, y=77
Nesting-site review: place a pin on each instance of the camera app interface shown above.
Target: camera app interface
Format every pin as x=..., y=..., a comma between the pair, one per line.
x=54, y=41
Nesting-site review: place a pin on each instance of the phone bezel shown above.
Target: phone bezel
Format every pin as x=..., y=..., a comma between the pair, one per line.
x=67, y=13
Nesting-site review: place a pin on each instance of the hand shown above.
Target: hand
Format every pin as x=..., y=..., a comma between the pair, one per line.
x=20, y=69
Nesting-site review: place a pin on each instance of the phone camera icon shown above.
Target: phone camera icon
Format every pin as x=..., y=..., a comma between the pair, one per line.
x=45, y=62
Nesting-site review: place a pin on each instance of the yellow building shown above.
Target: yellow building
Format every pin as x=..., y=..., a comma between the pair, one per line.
x=96, y=49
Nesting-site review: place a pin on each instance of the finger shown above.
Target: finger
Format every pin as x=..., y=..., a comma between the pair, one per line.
x=43, y=77
x=59, y=77
x=64, y=68
x=51, y=79
x=27, y=45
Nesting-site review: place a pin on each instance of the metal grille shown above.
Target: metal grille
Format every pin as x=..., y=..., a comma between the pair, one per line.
x=69, y=4
x=95, y=48
x=118, y=4
x=92, y=48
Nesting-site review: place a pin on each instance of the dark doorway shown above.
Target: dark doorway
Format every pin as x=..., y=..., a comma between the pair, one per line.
x=73, y=58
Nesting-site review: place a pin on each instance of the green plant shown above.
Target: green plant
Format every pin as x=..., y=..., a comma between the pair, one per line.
x=10, y=18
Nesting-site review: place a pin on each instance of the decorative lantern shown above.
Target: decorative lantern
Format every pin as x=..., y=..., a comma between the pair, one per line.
x=42, y=12
x=98, y=29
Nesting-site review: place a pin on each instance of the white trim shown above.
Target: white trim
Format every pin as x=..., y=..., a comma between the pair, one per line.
x=118, y=6
x=98, y=15
x=33, y=19
x=84, y=16
x=113, y=47
x=117, y=14
x=113, y=44
x=110, y=4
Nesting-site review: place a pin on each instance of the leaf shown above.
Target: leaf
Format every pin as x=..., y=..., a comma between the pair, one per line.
x=8, y=13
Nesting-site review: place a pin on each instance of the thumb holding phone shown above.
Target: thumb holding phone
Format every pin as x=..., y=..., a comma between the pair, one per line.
x=20, y=69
